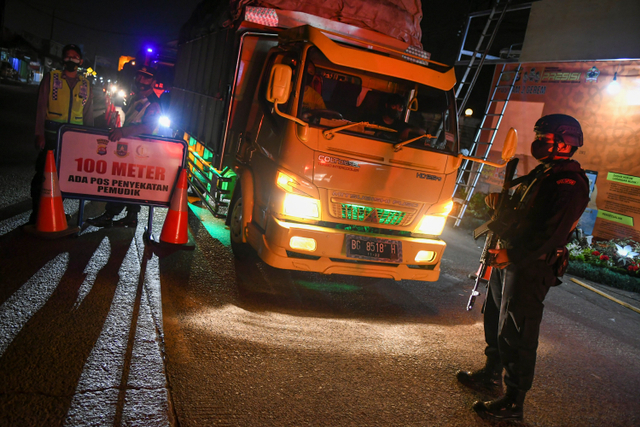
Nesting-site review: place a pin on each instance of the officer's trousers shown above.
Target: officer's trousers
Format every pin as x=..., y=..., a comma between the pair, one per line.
x=512, y=317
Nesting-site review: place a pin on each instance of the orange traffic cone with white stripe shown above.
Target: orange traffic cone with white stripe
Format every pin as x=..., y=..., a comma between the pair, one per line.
x=52, y=221
x=176, y=228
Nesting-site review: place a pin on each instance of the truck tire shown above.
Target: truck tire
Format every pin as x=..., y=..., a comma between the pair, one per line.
x=240, y=249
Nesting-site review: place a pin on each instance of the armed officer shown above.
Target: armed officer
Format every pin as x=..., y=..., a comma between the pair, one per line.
x=533, y=232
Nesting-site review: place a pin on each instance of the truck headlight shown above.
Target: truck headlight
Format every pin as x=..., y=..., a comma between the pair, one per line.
x=434, y=222
x=432, y=225
x=301, y=207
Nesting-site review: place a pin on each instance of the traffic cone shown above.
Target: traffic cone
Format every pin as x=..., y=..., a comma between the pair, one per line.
x=52, y=221
x=176, y=229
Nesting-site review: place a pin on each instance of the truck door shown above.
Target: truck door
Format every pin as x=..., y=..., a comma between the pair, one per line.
x=254, y=48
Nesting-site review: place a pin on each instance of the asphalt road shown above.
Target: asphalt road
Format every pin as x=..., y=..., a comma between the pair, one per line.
x=106, y=329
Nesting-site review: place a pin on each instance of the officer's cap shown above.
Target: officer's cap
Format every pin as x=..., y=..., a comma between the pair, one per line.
x=147, y=71
x=73, y=47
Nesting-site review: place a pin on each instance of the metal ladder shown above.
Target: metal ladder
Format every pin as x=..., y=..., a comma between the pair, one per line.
x=481, y=51
x=469, y=171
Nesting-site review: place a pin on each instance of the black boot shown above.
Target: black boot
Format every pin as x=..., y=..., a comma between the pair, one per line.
x=131, y=220
x=505, y=408
x=487, y=380
x=104, y=220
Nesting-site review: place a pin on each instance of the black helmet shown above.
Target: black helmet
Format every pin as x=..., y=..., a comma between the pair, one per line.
x=565, y=128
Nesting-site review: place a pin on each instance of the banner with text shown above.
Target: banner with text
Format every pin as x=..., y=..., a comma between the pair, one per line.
x=139, y=170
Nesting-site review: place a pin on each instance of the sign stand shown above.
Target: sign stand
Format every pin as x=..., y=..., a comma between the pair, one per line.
x=149, y=230
x=80, y=213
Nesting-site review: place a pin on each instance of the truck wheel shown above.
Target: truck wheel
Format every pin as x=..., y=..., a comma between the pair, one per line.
x=240, y=249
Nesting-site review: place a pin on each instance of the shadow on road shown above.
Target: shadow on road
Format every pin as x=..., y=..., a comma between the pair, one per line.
x=41, y=366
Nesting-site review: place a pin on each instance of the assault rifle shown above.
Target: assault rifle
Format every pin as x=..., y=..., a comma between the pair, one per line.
x=484, y=270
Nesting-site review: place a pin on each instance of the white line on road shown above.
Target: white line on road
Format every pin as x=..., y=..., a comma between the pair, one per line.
x=26, y=301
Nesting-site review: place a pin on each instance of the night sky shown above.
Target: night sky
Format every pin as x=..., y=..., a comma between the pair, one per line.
x=106, y=28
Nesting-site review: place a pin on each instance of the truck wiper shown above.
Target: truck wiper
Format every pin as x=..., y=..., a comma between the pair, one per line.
x=399, y=145
x=330, y=133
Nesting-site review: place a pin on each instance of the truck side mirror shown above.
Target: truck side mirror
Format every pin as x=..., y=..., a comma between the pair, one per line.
x=279, y=84
x=278, y=92
x=510, y=145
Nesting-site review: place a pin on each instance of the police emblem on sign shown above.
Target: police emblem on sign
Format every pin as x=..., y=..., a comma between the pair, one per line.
x=102, y=146
x=592, y=74
x=122, y=149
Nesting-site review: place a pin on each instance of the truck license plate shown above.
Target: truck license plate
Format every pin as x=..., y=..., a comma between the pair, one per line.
x=373, y=248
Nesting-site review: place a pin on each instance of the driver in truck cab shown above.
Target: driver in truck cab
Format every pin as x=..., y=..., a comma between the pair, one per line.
x=311, y=97
x=391, y=117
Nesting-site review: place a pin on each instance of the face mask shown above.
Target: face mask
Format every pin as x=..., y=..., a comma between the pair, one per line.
x=70, y=66
x=393, y=113
x=540, y=150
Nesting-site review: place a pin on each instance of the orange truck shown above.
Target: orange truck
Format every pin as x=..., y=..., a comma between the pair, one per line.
x=287, y=107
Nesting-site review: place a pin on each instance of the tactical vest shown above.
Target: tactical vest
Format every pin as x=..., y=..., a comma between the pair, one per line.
x=64, y=105
x=526, y=193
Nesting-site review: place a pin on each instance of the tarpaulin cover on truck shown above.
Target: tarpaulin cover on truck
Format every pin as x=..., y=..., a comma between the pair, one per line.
x=399, y=19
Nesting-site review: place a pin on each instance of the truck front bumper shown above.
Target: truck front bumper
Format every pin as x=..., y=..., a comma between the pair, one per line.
x=330, y=255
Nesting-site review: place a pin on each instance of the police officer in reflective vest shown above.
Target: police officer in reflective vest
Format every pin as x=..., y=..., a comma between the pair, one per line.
x=141, y=117
x=63, y=97
x=541, y=214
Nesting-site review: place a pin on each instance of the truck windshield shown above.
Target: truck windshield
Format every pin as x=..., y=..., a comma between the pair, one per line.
x=337, y=97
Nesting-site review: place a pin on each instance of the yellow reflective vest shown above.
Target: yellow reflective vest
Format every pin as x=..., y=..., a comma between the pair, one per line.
x=65, y=106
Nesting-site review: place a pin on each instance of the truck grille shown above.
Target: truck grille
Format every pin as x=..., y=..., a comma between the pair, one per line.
x=369, y=214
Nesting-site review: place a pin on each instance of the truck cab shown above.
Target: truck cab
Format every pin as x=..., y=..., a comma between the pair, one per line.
x=325, y=182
